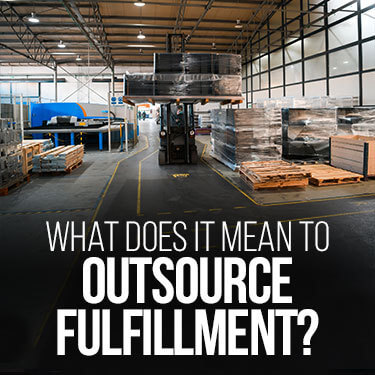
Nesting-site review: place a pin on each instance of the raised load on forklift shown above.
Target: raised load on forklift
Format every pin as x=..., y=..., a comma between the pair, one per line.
x=177, y=134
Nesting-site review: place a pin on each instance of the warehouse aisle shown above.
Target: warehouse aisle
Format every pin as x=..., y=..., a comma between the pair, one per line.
x=141, y=190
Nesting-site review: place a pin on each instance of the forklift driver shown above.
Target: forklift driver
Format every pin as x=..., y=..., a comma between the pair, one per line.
x=179, y=117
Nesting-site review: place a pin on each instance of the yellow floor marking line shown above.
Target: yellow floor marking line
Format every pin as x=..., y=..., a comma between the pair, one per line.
x=326, y=216
x=190, y=211
x=299, y=219
x=69, y=210
x=139, y=181
x=282, y=203
x=78, y=253
x=215, y=209
x=239, y=207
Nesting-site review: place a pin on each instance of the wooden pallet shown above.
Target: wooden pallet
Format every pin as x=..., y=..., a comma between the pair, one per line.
x=4, y=190
x=273, y=174
x=326, y=175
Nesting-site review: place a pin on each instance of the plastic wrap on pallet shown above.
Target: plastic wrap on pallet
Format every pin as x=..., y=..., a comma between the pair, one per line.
x=197, y=63
x=308, y=102
x=197, y=85
x=10, y=153
x=182, y=85
x=361, y=120
x=306, y=132
x=139, y=84
x=240, y=135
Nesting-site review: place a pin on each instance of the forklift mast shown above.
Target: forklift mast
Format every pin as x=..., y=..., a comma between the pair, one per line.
x=175, y=43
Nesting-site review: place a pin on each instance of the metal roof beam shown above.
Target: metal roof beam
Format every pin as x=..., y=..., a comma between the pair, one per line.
x=206, y=9
x=64, y=25
x=77, y=33
x=239, y=4
x=136, y=18
x=180, y=16
x=119, y=44
x=97, y=40
x=34, y=48
x=241, y=36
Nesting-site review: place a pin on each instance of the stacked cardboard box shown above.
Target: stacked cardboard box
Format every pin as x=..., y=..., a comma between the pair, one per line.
x=240, y=135
x=10, y=153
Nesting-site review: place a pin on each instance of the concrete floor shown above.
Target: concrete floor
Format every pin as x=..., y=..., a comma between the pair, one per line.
x=340, y=283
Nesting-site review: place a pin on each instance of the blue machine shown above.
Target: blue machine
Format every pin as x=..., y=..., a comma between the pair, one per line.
x=87, y=114
x=45, y=111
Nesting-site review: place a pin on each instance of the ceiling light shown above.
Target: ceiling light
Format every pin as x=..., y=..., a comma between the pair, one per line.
x=238, y=24
x=78, y=58
x=63, y=53
x=141, y=46
x=346, y=62
x=61, y=44
x=141, y=35
x=33, y=18
x=139, y=3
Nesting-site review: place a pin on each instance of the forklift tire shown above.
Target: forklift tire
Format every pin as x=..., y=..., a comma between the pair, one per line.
x=162, y=158
x=194, y=157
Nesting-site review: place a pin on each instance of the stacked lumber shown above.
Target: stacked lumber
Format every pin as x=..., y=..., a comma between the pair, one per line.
x=59, y=159
x=355, y=153
x=326, y=175
x=273, y=174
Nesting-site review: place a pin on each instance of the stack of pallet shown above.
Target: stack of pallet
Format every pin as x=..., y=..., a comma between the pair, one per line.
x=60, y=159
x=273, y=174
x=10, y=155
x=240, y=135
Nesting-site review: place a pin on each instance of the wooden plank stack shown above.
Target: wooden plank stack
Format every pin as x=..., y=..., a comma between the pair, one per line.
x=273, y=174
x=29, y=150
x=326, y=175
x=59, y=159
x=355, y=153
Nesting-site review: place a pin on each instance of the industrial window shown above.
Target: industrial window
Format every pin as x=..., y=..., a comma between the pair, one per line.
x=343, y=61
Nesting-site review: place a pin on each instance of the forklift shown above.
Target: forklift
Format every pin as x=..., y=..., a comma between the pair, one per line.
x=177, y=134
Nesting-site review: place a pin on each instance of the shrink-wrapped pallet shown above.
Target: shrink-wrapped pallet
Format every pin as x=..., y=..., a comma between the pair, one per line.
x=306, y=132
x=240, y=135
x=188, y=74
x=10, y=153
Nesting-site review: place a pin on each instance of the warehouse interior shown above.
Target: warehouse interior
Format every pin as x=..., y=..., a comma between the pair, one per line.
x=273, y=94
